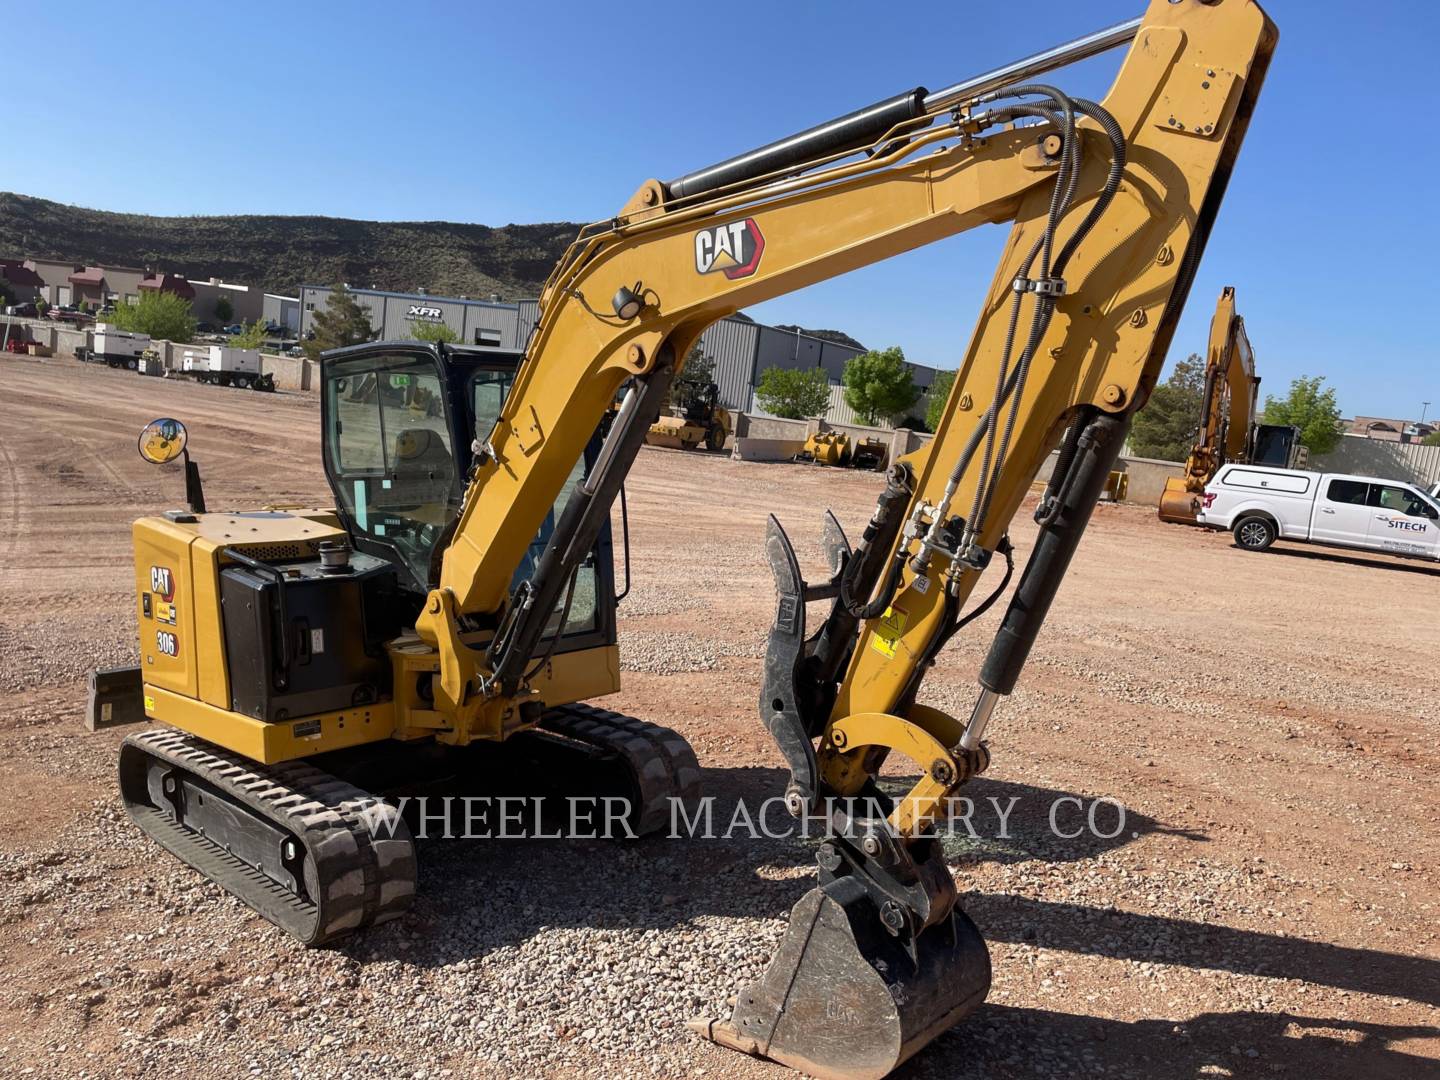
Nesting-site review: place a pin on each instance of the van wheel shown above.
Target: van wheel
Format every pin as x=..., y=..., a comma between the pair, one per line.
x=1254, y=533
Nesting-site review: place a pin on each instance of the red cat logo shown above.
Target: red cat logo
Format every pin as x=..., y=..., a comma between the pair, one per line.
x=732, y=249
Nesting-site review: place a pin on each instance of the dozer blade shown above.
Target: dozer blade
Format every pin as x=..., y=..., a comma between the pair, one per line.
x=844, y=1000
x=1179, y=505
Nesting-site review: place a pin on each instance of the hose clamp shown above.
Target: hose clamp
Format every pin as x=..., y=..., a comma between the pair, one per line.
x=1051, y=286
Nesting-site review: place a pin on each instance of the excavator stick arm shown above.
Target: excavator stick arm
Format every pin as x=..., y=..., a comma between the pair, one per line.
x=1227, y=412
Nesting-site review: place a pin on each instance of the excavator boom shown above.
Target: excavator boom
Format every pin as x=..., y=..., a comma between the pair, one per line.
x=1227, y=411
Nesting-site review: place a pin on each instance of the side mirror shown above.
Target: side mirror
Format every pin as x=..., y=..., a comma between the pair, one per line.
x=162, y=441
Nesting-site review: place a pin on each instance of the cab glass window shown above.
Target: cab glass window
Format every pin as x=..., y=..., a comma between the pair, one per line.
x=1347, y=491
x=488, y=390
x=1399, y=500
x=391, y=454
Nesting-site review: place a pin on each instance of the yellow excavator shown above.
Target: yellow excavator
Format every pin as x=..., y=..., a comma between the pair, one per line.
x=1228, y=430
x=299, y=662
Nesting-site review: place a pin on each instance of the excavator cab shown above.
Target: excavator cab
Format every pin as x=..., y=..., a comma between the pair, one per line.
x=402, y=422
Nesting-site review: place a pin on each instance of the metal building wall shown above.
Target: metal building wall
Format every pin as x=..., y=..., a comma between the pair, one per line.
x=314, y=298
x=500, y=319
x=834, y=357
x=390, y=314
x=311, y=298
x=282, y=310
x=731, y=343
x=783, y=349
x=398, y=318
x=921, y=375
x=527, y=314
x=742, y=350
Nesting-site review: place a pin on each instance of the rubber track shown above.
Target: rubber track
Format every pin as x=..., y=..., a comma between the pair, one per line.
x=662, y=762
x=355, y=879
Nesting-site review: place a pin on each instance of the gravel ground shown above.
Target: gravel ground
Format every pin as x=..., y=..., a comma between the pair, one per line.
x=1268, y=722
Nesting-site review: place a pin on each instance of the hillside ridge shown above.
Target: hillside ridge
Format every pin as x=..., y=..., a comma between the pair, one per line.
x=282, y=252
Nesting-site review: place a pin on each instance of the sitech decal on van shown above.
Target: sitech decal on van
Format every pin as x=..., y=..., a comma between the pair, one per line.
x=1407, y=525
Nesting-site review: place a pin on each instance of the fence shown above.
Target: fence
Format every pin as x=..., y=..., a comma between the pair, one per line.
x=1409, y=463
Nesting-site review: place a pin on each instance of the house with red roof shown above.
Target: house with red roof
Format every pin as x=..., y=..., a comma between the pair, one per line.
x=171, y=283
x=19, y=282
x=102, y=285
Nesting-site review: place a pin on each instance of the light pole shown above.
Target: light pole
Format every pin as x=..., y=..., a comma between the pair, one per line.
x=1424, y=406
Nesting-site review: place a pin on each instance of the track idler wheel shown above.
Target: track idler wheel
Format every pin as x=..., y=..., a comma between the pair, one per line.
x=844, y=998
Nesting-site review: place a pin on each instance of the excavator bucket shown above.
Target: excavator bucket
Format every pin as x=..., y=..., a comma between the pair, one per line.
x=1179, y=504
x=844, y=999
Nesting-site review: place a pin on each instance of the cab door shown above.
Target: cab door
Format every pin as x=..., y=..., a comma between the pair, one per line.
x=1342, y=513
x=1402, y=521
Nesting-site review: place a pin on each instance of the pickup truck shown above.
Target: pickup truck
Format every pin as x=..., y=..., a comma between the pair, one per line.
x=1261, y=505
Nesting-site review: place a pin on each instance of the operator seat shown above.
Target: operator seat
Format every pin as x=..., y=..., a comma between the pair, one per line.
x=424, y=470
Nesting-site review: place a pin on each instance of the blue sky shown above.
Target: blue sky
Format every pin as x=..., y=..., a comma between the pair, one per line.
x=524, y=112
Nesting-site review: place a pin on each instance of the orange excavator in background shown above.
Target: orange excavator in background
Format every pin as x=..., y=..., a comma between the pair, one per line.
x=1228, y=431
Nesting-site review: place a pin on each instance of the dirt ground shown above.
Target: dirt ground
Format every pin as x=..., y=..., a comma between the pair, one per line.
x=1267, y=721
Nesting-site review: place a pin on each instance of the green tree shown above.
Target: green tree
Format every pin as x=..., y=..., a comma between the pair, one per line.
x=1311, y=409
x=698, y=374
x=1433, y=439
x=792, y=394
x=251, y=336
x=699, y=369
x=939, y=394
x=343, y=322
x=1166, y=427
x=162, y=315
x=42, y=306
x=224, y=311
x=878, y=384
x=433, y=331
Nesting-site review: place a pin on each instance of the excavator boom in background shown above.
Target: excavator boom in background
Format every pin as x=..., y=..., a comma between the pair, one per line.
x=1228, y=428
x=459, y=594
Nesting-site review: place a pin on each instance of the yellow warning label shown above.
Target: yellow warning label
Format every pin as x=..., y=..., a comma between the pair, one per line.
x=887, y=633
x=149, y=703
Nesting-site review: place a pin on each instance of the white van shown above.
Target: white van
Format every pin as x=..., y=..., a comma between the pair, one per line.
x=1261, y=505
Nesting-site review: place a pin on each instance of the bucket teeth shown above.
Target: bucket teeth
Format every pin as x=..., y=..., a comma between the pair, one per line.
x=843, y=999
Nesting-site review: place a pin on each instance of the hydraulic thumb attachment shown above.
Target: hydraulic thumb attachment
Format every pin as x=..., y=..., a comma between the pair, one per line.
x=878, y=959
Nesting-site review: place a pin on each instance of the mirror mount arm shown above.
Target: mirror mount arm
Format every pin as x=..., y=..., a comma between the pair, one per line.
x=194, y=490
